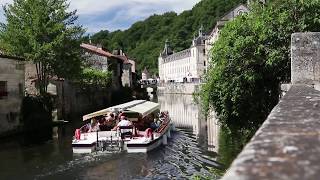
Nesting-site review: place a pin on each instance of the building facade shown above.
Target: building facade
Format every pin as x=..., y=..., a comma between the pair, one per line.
x=185, y=66
x=12, y=77
x=190, y=65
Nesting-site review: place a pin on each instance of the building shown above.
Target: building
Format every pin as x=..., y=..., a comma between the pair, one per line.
x=214, y=35
x=100, y=59
x=145, y=75
x=12, y=77
x=128, y=68
x=185, y=66
x=191, y=64
x=123, y=68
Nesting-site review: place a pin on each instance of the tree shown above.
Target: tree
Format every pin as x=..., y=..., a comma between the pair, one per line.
x=44, y=32
x=251, y=59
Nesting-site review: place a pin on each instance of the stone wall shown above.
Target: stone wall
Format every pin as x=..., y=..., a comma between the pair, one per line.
x=30, y=77
x=305, y=58
x=178, y=88
x=126, y=77
x=75, y=100
x=12, y=73
x=287, y=145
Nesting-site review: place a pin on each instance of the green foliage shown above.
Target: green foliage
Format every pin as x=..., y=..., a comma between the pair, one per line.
x=94, y=77
x=43, y=31
x=252, y=57
x=145, y=40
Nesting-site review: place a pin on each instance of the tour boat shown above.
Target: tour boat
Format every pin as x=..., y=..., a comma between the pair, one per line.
x=143, y=114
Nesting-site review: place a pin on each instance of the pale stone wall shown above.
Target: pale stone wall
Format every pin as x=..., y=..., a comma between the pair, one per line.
x=305, y=58
x=189, y=64
x=96, y=61
x=179, y=88
x=12, y=72
x=126, y=77
x=30, y=77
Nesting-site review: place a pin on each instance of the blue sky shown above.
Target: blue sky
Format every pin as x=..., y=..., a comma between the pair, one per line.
x=96, y=15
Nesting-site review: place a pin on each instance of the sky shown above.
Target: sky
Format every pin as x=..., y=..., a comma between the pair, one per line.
x=96, y=15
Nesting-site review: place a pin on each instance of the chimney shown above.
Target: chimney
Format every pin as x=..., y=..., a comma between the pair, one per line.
x=99, y=46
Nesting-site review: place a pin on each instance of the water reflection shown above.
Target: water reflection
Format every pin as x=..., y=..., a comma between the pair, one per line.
x=187, y=115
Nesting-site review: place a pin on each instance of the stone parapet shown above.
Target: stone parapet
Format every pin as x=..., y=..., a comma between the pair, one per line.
x=305, y=58
x=287, y=146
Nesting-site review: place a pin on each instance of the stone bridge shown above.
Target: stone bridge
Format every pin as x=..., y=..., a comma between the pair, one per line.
x=287, y=145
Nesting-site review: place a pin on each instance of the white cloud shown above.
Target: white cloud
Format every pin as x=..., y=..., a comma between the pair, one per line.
x=93, y=7
x=96, y=15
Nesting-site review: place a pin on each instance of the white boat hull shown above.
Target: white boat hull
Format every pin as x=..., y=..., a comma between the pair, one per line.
x=88, y=141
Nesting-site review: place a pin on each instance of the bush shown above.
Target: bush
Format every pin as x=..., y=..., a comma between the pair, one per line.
x=251, y=58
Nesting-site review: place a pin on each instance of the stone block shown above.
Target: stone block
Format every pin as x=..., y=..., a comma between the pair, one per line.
x=305, y=58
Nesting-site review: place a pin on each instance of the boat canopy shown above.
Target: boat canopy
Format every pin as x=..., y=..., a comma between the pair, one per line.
x=142, y=107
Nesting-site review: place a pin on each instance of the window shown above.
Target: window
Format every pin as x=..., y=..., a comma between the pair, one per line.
x=3, y=89
x=204, y=63
x=204, y=51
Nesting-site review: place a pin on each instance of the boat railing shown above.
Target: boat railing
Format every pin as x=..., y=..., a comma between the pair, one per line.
x=163, y=125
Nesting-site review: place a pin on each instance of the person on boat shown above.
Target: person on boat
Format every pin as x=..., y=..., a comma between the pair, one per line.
x=94, y=126
x=109, y=121
x=101, y=120
x=124, y=122
x=154, y=125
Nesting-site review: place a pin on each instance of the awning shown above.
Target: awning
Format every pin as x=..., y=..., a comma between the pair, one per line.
x=95, y=114
x=142, y=107
x=145, y=108
x=126, y=105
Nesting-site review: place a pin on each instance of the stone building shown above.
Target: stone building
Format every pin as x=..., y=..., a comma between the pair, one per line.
x=145, y=74
x=128, y=68
x=187, y=65
x=214, y=35
x=99, y=58
x=12, y=77
x=191, y=64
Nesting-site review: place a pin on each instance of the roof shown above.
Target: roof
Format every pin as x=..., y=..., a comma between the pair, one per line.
x=145, y=70
x=102, y=52
x=142, y=107
x=96, y=50
x=123, y=58
x=226, y=17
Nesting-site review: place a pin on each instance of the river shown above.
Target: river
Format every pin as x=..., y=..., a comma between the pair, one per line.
x=193, y=150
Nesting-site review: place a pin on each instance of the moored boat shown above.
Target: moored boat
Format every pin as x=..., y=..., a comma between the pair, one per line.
x=147, y=129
